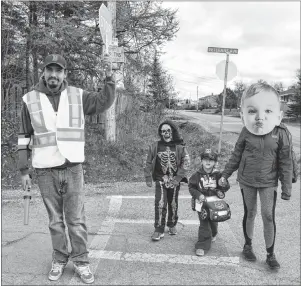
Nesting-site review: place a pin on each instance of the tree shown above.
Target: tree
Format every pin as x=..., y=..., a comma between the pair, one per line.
x=230, y=100
x=294, y=108
x=158, y=85
x=278, y=86
x=239, y=88
x=261, y=81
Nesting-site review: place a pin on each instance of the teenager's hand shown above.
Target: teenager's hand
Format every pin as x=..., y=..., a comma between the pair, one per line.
x=149, y=183
x=26, y=182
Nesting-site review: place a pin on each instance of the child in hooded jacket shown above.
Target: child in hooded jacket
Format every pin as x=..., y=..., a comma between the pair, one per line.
x=203, y=183
x=167, y=165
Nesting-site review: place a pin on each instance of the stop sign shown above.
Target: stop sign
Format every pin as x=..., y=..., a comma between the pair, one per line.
x=220, y=70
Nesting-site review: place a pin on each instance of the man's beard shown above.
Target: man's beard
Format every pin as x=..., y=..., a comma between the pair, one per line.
x=53, y=84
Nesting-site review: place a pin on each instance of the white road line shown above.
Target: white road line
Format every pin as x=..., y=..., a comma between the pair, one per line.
x=231, y=243
x=166, y=258
x=100, y=241
x=146, y=197
x=145, y=221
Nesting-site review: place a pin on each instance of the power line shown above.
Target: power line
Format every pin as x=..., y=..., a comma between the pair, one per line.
x=191, y=74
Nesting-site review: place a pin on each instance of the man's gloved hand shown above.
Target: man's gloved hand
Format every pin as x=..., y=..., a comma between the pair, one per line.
x=149, y=183
x=107, y=65
x=285, y=197
x=26, y=181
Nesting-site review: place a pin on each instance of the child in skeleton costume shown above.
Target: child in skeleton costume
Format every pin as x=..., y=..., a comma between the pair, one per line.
x=166, y=164
x=201, y=184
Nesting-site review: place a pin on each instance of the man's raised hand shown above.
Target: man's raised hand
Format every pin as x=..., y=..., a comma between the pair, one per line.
x=107, y=64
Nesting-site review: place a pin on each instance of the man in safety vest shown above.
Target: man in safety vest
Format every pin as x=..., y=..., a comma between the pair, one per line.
x=52, y=121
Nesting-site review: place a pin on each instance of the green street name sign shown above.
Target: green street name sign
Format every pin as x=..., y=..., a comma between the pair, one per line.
x=222, y=50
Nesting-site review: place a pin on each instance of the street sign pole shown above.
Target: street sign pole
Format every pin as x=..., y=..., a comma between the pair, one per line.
x=223, y=105
x=226, y=51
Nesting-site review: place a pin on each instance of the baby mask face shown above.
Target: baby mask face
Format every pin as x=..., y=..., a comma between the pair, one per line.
x=261, y=113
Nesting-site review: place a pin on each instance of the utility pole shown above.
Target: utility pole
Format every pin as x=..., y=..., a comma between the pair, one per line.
x=197, y=98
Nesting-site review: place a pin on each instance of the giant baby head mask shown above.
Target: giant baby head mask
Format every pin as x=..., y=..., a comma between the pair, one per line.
x=260, y=109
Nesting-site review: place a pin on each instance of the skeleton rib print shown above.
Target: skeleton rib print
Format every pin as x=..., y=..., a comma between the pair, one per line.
x=168, y=161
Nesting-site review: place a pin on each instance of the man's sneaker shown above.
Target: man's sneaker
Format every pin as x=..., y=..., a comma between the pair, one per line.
x=248, y=253
x=157, y=235
x=214, y=238
x=272, y=262
x=172, y=230
x=56, y=271
x=84, y=273
x=200, y=252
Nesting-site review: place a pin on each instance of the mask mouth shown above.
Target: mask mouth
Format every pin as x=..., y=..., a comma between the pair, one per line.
x=259, y=124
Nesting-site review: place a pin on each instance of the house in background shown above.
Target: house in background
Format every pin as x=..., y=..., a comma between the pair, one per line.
x=287, y=96
x=208, y=101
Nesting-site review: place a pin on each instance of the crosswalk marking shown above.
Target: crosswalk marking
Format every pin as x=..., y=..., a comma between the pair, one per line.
x=103, y=235
x=147, y=197
x=165, y=258
x=98, y=244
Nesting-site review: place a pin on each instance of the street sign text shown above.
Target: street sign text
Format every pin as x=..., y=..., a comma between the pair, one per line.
x=222, y=50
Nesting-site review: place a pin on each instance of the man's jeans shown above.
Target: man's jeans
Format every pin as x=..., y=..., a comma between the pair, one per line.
x=63, y=195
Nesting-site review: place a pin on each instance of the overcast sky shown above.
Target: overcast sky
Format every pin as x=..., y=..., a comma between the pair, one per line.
x=267, y=36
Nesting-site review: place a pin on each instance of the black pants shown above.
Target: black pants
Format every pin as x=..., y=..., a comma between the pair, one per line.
x=207, y=230
x=165, y=197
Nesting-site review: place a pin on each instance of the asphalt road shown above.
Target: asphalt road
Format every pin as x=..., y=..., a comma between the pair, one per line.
x=120, y=223
x=233, y=124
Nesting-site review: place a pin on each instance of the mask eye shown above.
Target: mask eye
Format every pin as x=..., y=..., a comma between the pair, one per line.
x=165, y=131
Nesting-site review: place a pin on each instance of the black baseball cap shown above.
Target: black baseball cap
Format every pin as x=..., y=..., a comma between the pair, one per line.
x=209, y=154
x=55, y=59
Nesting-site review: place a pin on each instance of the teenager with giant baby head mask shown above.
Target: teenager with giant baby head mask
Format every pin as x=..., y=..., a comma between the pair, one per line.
x=262, y=155
x=260, y=109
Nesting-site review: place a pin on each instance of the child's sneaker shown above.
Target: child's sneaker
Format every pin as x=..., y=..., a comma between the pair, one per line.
x=157, y=235
x=272, y=262
x=84, y=273
x=56, y=271
x=172, y=230
x=200, y=252
x=248, y=253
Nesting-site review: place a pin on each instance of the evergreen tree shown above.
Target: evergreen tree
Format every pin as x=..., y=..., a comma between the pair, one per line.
x=294, y=108
x=230, y=100
x=157, y=87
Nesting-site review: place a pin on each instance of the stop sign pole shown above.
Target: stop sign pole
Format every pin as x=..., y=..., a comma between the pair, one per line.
x=223, y=105
x=227, y=51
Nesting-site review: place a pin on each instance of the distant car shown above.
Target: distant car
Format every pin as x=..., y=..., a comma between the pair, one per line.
x=214, y=208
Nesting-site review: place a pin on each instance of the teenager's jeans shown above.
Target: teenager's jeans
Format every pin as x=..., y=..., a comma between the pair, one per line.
x=63, y=195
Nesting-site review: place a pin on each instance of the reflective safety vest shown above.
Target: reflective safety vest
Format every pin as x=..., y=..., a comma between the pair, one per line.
x=57, y=136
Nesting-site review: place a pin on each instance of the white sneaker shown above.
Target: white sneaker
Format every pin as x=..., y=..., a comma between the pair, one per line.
x=84, y=273
x=56, y=271
x=200, y=252
x=213, y=238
